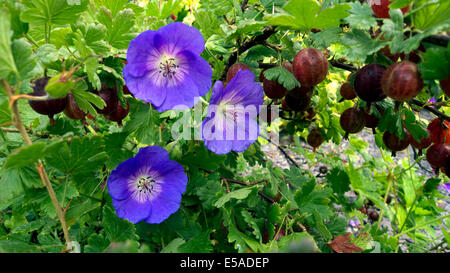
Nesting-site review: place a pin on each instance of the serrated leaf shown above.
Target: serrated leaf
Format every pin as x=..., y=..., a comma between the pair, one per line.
x=431, y=14
x=340, y=182
x=47, y=53
x=199, y=244
x=56, y=12
x=307, y=14
x=283, y=76
x=436, y=63
x=7, y=64
x=118, y=27
x=360, y=45
x=361, y=16
x=85, y=100
x=81, y=155
x=321, y=226
x=26, y=155
x=308, y=198
x=117, y=229
x=326, y=37
x=25, y=61
x=237, y=194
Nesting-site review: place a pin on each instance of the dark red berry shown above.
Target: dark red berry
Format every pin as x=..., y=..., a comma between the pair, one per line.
x=284, y=105
x=367, y=83
x=273, y=89
x=447, y=166
x=424, y=142
x=347, y=91
x=310, y=66
x=288, y=66
x=126, y=91
x=395, y=143
x=48, y=107
x=352, y=120
x=402, y=81
x=109, y=96
x=233, y=70
x=119, y=113
x=439, y=131
x=381, y=8
x=299, y=98
x=373, y=215
x=445, y=85
x=437, y=155
x=72, y=110
x=315, y=138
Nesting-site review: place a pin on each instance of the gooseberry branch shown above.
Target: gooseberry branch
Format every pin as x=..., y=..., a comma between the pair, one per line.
x=39, y=165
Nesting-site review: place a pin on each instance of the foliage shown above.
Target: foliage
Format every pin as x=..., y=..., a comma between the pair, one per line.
x=238, y=202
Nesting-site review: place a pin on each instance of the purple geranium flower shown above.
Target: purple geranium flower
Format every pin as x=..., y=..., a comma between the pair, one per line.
x=446, y=187
x=164, y=67
x=230, y=123
x=354, y=223
x=148, y=186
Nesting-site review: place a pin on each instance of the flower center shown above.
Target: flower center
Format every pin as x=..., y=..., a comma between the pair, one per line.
x=228, y=111
x=144, y=184
x=168, y=67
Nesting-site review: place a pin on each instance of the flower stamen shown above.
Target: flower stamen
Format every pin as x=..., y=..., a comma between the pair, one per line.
x=145, y=184
x=168, y=68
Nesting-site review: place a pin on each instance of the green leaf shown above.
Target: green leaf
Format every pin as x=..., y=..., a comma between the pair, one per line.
x=252, y=223
x=7, y=64
x=118, y=27
x=340, y=182
x=296, y=177
x=81, y=156
x=199, y=244
x=85, y=100
x=321, y=226
x=55, y=12
x=203, y=158
x=283, y=76
x=436, y=64
x=393, y=30
x=24, y=59
x=416, y=130
x=142, y=121
x=360, y=45
x=113, y=5
x=308, y=199
x=26, y=155
x=430, y=15
x=117, y=229
x=17, y=247
x=237, y=194
x=326, y=37
x=96, y=244
x=307, y=14
x=173, y=246
x=47, y=53
x=361, y=16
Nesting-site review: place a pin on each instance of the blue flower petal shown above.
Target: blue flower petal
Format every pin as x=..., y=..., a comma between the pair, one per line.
x=119, y=177
x=182, y=96
x=176, y=37
x=201, y=75
x=132, y=210
x=152, y=155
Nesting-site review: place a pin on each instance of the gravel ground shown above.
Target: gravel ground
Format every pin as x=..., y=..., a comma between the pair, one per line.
x=280, y=161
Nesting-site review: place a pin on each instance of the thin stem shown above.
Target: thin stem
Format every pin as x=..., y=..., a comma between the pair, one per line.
x=422, y=225
x=39, y=165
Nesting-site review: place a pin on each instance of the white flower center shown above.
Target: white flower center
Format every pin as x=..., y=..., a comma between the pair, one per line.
x=168, y=67
x=144, y=184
